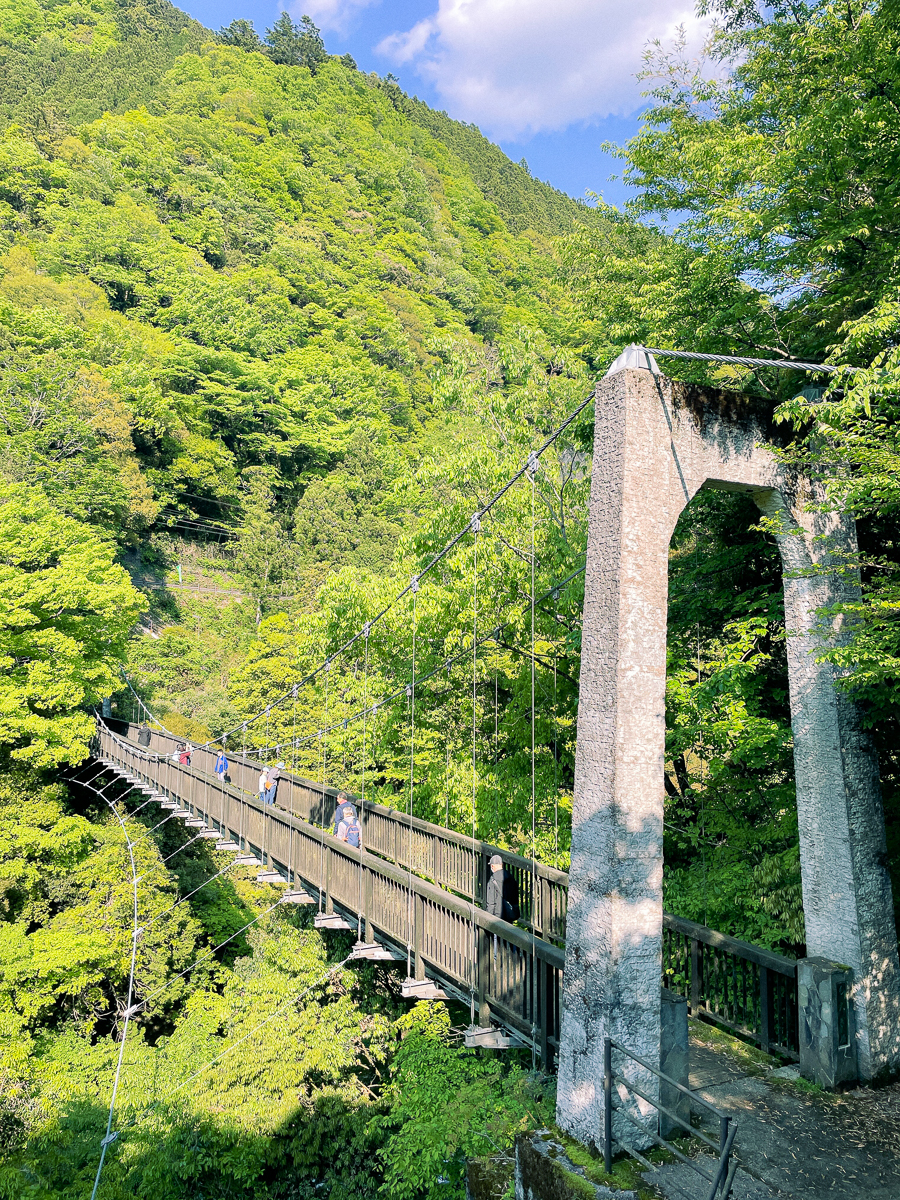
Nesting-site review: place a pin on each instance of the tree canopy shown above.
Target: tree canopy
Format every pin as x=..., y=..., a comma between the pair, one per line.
x=271, y=332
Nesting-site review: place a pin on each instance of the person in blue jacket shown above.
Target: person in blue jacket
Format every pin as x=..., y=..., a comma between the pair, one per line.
x=221, y=766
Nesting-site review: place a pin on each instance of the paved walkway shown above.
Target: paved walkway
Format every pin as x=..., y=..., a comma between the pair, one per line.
x=791, y=1140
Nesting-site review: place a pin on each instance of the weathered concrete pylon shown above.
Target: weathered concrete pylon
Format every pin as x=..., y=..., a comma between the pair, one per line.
x=656, y=444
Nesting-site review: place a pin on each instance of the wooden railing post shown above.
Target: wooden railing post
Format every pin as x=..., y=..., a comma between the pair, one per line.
x=543, y=999
x=483, y=942
x=765, y=1012
x=329, y=907
x=544, y=914
x=418, y=937
x=368, y=893
x=696, y=968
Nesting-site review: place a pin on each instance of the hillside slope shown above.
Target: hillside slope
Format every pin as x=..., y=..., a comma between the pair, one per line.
x=254, y=262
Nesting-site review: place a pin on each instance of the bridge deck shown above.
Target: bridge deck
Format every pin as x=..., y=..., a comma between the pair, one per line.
x=418, y=887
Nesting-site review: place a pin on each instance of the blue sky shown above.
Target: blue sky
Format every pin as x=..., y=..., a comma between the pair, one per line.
x=549, y=80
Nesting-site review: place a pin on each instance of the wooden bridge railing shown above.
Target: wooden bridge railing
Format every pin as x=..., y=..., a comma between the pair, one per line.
x=747, y=989
x=510, y=974
x=449, y=859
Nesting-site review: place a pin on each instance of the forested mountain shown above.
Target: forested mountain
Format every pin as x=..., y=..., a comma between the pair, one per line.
x=271, y=332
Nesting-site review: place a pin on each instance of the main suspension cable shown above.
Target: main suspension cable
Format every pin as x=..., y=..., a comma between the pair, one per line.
x=435, y=559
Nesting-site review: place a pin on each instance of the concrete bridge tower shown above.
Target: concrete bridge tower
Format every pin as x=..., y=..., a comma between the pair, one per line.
x=657, y=443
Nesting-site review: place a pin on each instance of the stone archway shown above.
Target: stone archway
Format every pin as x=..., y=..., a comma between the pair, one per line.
x=657, y=443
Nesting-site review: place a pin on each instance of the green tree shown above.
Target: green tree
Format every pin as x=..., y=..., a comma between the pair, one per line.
x=66, y=610
x=263, y=556
x=242, y=34
x=296, y=44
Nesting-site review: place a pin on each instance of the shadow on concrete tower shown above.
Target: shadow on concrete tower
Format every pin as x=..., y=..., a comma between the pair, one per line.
x=656, y=444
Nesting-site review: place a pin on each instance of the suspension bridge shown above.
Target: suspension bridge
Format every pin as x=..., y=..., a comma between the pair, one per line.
x=577, y=980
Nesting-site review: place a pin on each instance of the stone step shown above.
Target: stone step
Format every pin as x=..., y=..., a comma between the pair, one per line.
x=297, y=897
x=270, y=877
x=247, y=860
x=231, y=846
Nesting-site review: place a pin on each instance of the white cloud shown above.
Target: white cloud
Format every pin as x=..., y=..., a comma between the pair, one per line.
x=336, y=15
x=520, y=66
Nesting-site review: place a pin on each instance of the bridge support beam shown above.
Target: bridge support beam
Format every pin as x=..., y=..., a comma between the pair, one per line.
x=656, y=444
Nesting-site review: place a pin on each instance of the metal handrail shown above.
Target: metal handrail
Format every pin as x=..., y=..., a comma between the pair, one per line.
x=727, y=1126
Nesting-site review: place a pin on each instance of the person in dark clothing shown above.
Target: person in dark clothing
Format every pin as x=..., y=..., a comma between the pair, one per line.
x=144, y=735
x=502, y=898
x=341, y=804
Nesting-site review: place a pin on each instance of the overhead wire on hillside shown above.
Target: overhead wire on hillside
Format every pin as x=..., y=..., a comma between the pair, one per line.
x=132, y=1009
x=436, y=558
x=110, y=1136
x=368, y=709
x=780, y=364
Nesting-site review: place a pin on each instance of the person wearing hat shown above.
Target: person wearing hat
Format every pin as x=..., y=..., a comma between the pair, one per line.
x=502, y=899
x=274, y=775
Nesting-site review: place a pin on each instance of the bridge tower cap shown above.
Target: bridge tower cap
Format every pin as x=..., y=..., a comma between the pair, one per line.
x=634, y=358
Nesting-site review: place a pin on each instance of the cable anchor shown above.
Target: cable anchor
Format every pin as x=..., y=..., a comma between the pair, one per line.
x=109, y=1139
x=367, y=629
x=532, y=465
x=414, y=584
x=475, y=523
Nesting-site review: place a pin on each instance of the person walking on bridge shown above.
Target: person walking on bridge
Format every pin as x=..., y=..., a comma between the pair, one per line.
x=502, y=899
x=349, y=831
x=274, y=776
x=144, y=735
x=341, y=804
x=221, y=766
x=263, y=784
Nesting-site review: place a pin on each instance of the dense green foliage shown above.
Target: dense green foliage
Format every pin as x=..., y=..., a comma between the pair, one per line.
x=250, y=316
x=270, y=333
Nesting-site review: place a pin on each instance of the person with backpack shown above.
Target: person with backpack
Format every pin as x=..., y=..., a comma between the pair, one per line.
x=221, y=766
x=502, y=899
x=340, y=804
x=349, y=829
x=274, y=776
